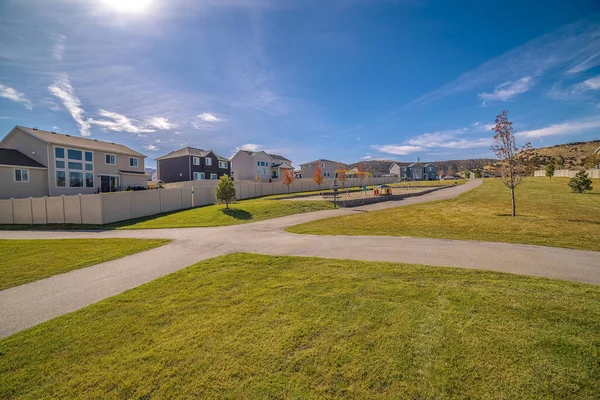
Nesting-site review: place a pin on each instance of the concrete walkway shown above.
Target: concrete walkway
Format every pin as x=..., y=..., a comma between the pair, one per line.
x=30, y=304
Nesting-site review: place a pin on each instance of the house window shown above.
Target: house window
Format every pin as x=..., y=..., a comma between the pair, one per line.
x=21, y=175
x=89, y=156
x=89, y=180
x=111, y=159
x=196, y=160
x=59, y=152
x=60, y=164
x=75, y=154
x=75, y=165
x=89, y=167
x=213, y=177
x=60, y=179
x=198, y=176
x=75, y=179
x=223, y=164
x=207, y=160
x=133, y=162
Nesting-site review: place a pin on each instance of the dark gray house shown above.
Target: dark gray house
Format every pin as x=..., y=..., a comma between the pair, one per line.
x=416, y=171
x=191, y=164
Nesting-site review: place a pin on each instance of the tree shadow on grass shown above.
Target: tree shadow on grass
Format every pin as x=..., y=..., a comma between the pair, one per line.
x=237, y=213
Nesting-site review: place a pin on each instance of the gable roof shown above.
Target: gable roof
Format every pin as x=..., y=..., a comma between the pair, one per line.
x=274, y=156
x=323, y=160
x=190, y=151
x=80, y=142
x=18, y=159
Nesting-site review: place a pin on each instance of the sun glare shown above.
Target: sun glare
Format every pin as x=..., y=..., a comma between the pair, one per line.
x=128, y=6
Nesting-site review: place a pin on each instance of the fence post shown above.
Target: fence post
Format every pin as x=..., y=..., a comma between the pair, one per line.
x=62, y=196
x=31, y=208
x=131, y=205
x=12, y=207
x=80, y=210
x=160, y=202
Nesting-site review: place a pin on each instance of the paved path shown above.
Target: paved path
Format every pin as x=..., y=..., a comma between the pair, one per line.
x=30, y=304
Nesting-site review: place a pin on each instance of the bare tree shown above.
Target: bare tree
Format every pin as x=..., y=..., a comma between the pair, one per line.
x=506, y=149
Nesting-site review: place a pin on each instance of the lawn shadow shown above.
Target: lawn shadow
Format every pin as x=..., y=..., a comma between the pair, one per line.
x=237, y=213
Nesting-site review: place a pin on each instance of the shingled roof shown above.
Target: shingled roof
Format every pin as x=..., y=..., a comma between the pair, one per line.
x=80, y=142
x=15, y=158
x=190, y=151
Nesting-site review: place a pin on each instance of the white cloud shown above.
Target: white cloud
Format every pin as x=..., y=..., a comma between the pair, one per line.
x=367, y=157
x=151, y=147
x=508, y=90
x=576, y=91
x=58, y=49
x=591, y=84
x=449, y=139
x=249, y=147
x=11, y=94
x=119, y=123
x=203, y=127
x=400, y=150
x=62, y=89
x=209, y=117
x=561, y=129
x=161, y=123
x=475, y=124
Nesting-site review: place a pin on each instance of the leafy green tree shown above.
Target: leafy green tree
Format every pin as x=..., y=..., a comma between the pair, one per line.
x=550, y=170
x=467, y=174
x=477, y=173
x=581, y=183
x=225, y=192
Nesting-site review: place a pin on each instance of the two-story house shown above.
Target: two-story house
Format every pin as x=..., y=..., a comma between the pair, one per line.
x=328, y=168
x=415, y=171
x=42, y=163
x=191, y=164
x=248, y=165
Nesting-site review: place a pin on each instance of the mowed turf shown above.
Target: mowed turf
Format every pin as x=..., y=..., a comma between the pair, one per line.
x=250, y=326
x=548, y=214
x=26, y=261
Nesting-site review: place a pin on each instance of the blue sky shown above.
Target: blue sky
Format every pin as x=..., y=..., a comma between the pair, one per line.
x=339, y=79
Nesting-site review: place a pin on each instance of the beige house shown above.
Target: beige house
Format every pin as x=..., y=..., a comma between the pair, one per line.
x=65, y=165
x=327, y=166
x=247, y=165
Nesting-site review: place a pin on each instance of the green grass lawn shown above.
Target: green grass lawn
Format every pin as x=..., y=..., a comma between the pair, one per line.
x=549, y=214
x=241, y=212
x=430, y=183
x=26, y=261
x=250, y=326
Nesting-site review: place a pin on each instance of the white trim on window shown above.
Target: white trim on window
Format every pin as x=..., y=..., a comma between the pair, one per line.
x=196, y=160
x=68, y=163
x=112, y=158
x=198, y=176
x=21, y=180
x=223, y=164
x=136, y=162
x=213, y=177
x=207, y=161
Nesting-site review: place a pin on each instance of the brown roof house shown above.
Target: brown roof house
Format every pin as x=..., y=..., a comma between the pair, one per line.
x=36, y=163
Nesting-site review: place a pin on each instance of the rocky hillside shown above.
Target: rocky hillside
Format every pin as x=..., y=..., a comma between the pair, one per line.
x=571, y=155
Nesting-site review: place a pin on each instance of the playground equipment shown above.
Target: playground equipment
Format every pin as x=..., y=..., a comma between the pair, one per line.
x=382, y=190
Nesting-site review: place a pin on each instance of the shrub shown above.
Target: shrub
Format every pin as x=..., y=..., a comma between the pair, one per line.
x=225, y=192
x=550, y=170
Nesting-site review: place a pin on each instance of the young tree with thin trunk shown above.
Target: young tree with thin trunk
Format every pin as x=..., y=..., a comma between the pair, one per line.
x=225, y=192
x=362, y=173
x=318, y=176
x=506, y=150
x=550, y=170
x=287, y=178
x=341, y=175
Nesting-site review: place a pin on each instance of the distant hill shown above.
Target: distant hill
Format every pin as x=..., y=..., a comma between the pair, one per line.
x=382, y=167
x=573, y=155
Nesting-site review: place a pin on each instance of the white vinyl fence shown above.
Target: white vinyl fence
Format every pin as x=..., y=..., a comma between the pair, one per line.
x=565, y=173
x=106, y=208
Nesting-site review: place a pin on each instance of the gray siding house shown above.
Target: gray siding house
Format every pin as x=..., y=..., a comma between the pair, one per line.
x=415, y=171
x=191, y=164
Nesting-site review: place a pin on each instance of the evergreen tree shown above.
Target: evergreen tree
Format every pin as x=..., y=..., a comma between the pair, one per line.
x=581, y=183
x=550, y=170
x=225, y=192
